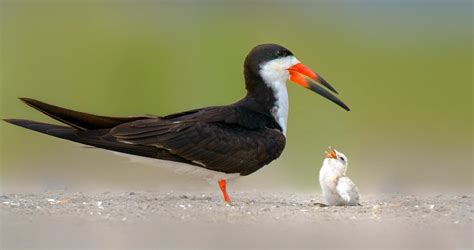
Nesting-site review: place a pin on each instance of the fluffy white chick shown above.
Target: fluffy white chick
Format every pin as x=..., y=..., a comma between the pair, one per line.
x=338, y=189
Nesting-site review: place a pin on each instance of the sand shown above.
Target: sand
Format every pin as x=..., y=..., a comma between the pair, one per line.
x=130, y=220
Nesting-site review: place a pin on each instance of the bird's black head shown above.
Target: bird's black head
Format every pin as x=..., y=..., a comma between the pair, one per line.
x=269, y=66
x=261, y=54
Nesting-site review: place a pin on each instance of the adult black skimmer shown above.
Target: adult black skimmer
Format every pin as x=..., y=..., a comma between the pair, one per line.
x=220, y=142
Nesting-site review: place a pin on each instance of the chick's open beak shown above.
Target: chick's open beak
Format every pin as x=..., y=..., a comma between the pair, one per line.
x=331, y=154
x=304, y=76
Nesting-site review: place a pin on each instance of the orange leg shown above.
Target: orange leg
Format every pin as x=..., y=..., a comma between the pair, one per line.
x=222, y=185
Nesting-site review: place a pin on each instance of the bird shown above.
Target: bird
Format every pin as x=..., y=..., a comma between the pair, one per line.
x=337, y=188
x=218, y=143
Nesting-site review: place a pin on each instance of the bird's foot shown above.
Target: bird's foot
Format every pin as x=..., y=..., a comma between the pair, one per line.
x=223, y=186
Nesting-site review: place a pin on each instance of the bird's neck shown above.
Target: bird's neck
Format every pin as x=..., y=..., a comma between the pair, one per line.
x=270, y=97
x=334, y=167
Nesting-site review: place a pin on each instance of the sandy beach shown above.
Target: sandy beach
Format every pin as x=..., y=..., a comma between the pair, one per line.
x=131, y=220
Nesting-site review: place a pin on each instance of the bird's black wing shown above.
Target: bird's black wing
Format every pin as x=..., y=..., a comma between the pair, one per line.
x=218, y=138
x=232, y=115
x=76, y=119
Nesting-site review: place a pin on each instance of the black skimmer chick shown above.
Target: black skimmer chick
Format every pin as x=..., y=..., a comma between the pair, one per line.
x=338, y=189
x=220, y=142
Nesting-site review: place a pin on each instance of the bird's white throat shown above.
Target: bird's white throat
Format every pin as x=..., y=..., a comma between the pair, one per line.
x=275, y=74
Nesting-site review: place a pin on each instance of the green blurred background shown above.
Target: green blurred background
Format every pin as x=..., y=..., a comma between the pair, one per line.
x=404, y=68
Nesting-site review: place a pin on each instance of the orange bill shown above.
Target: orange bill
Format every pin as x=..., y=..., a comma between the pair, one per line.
x=304, y=76
x=331, y=154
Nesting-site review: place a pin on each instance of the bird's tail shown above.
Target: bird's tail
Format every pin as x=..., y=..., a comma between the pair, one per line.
x=96, y=138
x=76, y=119
x=83, y=128
x=63, y=132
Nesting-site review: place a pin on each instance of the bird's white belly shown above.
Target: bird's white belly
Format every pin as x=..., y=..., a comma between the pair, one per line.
x=330, y=195
x=332, y=198
x=328, y=180
x=181, y=168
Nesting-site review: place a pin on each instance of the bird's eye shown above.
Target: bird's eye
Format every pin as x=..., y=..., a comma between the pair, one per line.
x=281, y=53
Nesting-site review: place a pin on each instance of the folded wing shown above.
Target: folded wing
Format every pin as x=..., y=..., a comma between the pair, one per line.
x=347, y=190
x=215, y=145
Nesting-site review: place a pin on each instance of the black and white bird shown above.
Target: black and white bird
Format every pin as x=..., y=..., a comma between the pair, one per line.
x=218, y=143
x=338, y=189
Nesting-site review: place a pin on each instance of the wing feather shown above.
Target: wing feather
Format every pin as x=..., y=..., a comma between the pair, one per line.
x=347, y=190
x=218, y=145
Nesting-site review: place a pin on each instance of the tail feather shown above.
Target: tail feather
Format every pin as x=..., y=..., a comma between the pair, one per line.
x=76, y=119
x=49, y=129
x=91, y=130
x=99, y=138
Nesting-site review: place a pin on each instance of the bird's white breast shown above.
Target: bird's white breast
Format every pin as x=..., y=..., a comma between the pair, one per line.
x=275, y=74
x=280, y=108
